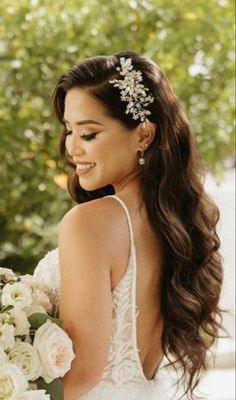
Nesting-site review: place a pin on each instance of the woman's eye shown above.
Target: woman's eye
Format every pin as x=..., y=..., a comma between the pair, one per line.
x=89, y=136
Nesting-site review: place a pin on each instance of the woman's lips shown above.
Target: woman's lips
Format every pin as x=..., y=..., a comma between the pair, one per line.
x=82, y=169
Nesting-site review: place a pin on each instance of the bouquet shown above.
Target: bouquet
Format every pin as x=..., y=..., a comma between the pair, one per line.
x=35, y=352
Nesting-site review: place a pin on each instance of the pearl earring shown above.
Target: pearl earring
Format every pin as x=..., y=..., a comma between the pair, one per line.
x=141, y=158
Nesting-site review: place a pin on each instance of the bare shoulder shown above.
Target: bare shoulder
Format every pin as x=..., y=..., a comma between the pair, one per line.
x=97, y=219
x=94, y=212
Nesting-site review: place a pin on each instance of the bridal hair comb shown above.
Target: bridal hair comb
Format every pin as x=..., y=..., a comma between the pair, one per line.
x=132, y=90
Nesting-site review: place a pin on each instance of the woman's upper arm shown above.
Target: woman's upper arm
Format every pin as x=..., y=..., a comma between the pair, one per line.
x=86, y=298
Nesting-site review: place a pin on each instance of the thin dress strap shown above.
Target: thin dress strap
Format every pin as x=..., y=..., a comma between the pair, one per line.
x=127, y=215
x=135, y=310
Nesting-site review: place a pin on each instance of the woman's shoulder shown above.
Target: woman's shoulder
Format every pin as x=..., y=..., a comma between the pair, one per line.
x=98, y=210
x=95, y=218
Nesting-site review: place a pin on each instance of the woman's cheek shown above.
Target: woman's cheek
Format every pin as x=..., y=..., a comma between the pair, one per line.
x=67, y=144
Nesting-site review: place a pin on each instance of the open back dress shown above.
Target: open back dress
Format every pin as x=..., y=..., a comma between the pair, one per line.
x=123, y=377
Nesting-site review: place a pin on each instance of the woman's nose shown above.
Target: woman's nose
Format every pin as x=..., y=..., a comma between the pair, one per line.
x=74, y=145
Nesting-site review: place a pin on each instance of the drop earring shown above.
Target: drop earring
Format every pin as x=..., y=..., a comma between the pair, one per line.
x=141, y=158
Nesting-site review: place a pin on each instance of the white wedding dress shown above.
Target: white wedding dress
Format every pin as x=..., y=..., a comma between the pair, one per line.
x=123, y=377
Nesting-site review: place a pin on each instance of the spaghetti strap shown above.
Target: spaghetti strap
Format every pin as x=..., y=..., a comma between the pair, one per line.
x=132, y=269
x=127, y=215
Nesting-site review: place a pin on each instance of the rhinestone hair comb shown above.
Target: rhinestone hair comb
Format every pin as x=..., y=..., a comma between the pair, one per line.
x=132, y=90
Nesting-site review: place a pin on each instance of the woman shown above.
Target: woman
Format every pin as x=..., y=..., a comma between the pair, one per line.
x=140, y=273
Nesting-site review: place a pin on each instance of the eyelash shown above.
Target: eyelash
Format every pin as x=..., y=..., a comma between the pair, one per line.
x=89, y=136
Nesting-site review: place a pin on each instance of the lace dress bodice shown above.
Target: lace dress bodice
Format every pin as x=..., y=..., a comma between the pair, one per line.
x=123, y=377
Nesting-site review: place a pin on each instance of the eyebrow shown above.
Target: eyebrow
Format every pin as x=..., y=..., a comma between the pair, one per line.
x=84, y=122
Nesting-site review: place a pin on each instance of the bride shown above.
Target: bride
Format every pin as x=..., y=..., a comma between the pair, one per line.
x=137, y=275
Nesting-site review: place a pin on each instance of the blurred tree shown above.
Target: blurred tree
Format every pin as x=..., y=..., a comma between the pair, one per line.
x=192, y=42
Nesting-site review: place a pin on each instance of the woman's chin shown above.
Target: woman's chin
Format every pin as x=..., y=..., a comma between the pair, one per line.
x=90, y=186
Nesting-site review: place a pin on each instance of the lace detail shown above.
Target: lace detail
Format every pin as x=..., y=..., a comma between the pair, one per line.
x=122, y=366
x=123, y=377
x=158, y=389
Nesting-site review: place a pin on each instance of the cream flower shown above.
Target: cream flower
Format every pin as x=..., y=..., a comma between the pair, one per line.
x=12, y=382
x=40, y=298
x=33, y=308
x=17, y=295
x=3, y=357
x=38, y=294
x=26, y=358
x=22, y=325
x=55, y=351
x=6, y=318
x=8, y=274
x=34, y=395
x=31, y=281
x=7, y=339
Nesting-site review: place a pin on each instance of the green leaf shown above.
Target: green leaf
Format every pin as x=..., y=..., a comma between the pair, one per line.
x=38, y=319
x=55, y=388
x=6, y=308
x=193, y=46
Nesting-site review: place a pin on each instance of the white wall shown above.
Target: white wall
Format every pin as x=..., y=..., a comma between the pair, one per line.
x=224, y=195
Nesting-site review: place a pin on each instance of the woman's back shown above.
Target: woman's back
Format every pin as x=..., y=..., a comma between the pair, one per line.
x=149, y=262
x=135, y=367
x=132, y=372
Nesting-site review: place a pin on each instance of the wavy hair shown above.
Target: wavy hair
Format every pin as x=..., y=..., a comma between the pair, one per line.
x=183, y=216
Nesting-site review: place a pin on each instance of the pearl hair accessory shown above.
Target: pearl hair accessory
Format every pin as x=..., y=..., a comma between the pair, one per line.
x=132, y=90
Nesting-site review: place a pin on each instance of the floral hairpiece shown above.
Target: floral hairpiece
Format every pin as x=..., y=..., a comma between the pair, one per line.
x=132, y=90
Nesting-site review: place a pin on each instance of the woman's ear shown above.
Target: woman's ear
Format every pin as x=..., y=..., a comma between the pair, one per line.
x=145, y=134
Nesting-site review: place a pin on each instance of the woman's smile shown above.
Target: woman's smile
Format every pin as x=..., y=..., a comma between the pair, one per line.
x=82, y=169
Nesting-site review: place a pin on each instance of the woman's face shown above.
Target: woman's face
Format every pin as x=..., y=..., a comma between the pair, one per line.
x=104, y=151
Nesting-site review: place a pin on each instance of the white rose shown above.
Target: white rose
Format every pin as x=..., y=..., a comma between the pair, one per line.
x=22, y=325
x=8, y=274
x=31, y=281
x=40, y=298
x=12, y=382
x=34, y=395
x=3, y=357
x=26, y=358
x=38, y=294
x=17, y=295
x=33, y=308
x=7, y=339
x=55, y=350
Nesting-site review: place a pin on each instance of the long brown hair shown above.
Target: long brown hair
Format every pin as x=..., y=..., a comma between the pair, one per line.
x=183, y=216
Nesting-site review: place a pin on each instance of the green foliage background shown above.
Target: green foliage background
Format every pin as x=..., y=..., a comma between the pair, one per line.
x=192, y=42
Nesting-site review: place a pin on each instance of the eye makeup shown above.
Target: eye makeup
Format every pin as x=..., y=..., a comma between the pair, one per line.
x=88, y=136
